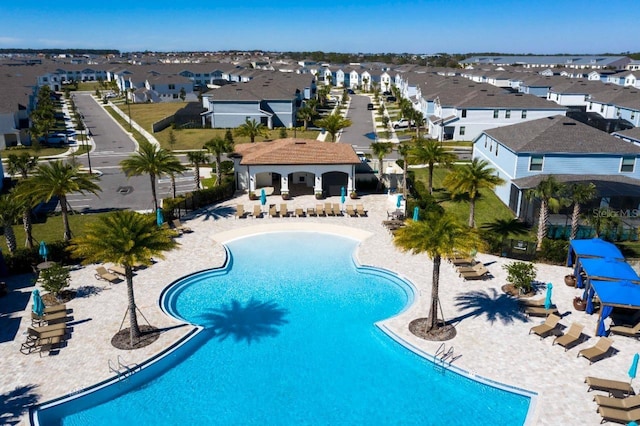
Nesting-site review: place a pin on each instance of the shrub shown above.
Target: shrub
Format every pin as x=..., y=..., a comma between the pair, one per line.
x=55, y=278
x=554, y=251
x=521, y=275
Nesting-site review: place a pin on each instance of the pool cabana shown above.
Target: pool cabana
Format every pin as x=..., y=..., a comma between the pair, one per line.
x=592, y=248
x=613, y=294
x=606, y=269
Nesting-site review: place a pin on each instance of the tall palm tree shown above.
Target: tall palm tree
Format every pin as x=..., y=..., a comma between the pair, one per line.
x=403, y=151
x=430, y=152
x=306, y=114
x=251, y=129
x=579, y=194
x=549, y=192
x=218, y=146
x=23, y=164
x=322, y=93
x=57, y=179
x=381, y=150
x=470, y=179
x=196, y=158
x=333, y=124
x=125, y=238
x=440, y=235
x=154, y=161
x=10, y=210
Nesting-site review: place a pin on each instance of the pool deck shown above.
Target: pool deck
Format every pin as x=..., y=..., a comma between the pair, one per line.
x=492, y=339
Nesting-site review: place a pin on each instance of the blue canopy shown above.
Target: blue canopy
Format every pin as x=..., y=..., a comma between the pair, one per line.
x=593, y=247
x=608, y=269
x=614, y=293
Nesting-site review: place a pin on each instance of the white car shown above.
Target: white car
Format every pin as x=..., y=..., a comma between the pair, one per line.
x=403, y=123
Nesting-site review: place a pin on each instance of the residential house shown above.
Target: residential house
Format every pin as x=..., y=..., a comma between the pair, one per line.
x=524, y=154
x=617, y=103
x=19, y=92
x=526, y=61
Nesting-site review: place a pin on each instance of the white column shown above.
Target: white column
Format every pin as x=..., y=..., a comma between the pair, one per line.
x=318, y=186
x=284, y=183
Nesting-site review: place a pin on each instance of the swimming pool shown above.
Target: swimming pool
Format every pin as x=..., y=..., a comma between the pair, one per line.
x=289, y=337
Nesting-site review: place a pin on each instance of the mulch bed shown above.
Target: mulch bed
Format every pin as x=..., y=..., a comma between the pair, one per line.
x=122, y=340
x=441, y=332
x=63, y=297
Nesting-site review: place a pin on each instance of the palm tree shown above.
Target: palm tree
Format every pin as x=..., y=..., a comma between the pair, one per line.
x=579, y=194
x=152, y=160
x=430, y=152
x=440, y=235
x=251, y=129
x=333, y=124
x=306, y=114
x=10, y=210
x=196, y=158
x=57, y=179
x=218, y=146
x=322, y=93
x=403, y=151
x=125, y=238
x=23, y=164
x=380, y=150
x=470, y=179
x=548, y=192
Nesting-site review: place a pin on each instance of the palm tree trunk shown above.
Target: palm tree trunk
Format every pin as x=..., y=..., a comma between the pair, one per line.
x=65, y=217
x=152, y=176
x=305, y=125
x=218, y=169
x=173, y=185
x=575, y=216
x=196, y=176
x=380, y=173
x=542, y=223
x=430, y=183
x=28, y=228
x=435, y=285
x=404, y=182
x=472, y=213
x=10, y=236
x=134, y=329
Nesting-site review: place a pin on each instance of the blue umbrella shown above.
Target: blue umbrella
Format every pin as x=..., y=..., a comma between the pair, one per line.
x=632, y=424
x=38, y=305
x=634, y=367
x=547, y=300
x=399, y=202
x=159, y=217
x=416, y=213
x=43, y=251
x=343, y=198
x=263, y=197
x=343, y=192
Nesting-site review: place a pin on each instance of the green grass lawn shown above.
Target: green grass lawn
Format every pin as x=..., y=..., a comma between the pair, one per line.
x=38, y=150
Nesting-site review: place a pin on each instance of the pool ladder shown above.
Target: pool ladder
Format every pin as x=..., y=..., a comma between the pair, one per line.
x=442, y=356
x=122, y=369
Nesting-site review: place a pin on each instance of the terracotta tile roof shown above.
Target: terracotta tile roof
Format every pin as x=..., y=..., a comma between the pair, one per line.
x=296, y=151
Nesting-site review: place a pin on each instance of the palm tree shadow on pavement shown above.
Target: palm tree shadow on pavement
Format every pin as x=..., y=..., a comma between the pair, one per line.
x=494, y=306
x=250, y=322
x=15, y=403
x=219, y=212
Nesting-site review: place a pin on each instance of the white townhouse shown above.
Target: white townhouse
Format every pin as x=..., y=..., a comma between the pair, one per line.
x=631, y=79
x=526, y=153
x=578, y=61
x=617, y=103
x=169, y=88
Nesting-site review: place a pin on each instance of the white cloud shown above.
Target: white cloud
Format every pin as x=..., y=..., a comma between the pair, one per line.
x=10, y=41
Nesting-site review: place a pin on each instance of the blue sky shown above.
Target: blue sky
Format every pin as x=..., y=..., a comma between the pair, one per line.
x=428, y=26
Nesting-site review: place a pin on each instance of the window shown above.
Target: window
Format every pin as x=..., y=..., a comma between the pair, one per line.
x=464, y=113
x=496, y=113
x=462, y=130
x=590, y=105
x=602, y=108
x=633, y=115
x=535, y=163
x=485, y=141
x=524, y=113
x=627, y=164
x=172, y=87
x=507, y=114
x=175, y=96
x=497, y=149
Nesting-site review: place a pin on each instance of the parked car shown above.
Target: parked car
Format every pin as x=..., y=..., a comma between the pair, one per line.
x=370, y=107
x=386, y=93
x=351, y=92
x=403, y=123
x=391, y=99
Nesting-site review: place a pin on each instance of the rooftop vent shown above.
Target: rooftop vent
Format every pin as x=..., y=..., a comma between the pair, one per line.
x=568, y=124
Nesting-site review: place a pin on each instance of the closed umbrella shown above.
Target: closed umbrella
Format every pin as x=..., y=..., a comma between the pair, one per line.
x=38, y=305
x=399, y=202
x=43, y=251
x=416, y=213
x=263, y=197
x=343, y=195
x=634, y=367
x=159, y=217
x=547, y=300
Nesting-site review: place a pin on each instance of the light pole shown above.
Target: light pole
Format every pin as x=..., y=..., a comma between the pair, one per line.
x=128, y=109
x=88, y=148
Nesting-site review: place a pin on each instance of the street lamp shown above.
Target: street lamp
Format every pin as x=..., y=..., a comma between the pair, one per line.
x=88, y=148
x=126, y=98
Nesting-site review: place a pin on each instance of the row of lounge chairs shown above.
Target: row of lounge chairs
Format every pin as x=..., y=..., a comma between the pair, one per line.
x=469, y=268
x=115, y=273
x=47, y=330
x=572, y=337
x=535, y=308
x=621, y=404
x=326, y=209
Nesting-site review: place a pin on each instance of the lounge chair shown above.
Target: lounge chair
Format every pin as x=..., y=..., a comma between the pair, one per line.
x=540, y=311
x=462, y=261
x=328, y=209
x=336, y=209
x=350, y=211
x=257, y=211
x=620, y=416
x=284, y=210
x=55, y=308
x=118, y=270
x=39, y=340
x=533, y=303
x=626, y=331
x=480, y=274
x=240, y=213
x=272, y=211
x=360, y=210
x=311, y=211
x=38, y=320
x=599, y=350
x=549, y=325
x=475, y=268
x=571, y=337
x=180, y=227
x=320, y=210
x=611, y=386
x=299, y=212
x=628, y=403
x=103, y=274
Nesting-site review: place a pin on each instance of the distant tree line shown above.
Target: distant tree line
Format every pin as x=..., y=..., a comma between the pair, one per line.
x=62, y=51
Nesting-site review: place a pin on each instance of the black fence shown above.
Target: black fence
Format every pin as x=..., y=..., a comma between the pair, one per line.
x=519, y=249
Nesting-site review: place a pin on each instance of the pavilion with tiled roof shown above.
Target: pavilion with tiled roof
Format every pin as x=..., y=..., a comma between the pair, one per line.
x=295, y=166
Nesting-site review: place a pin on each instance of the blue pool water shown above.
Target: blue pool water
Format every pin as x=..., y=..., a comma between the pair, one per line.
x=289, y=338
